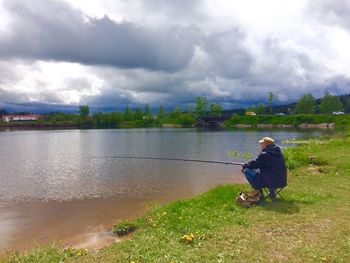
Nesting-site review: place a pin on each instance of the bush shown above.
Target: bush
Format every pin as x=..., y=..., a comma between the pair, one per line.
x=124, y=228
x=187, y=120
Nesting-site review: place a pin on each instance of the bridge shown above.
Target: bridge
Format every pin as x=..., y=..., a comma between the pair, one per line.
x=211, y=121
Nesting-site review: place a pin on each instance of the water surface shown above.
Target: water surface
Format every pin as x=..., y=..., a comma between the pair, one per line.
x=52, y=186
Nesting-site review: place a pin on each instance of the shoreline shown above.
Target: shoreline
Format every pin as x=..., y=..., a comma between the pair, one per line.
x=303, y=126
x=300, y=121
x=99, y=234
x=38, y=126
x=287, y=126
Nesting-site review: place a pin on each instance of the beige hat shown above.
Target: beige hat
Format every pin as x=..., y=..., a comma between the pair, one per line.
x=267, y=140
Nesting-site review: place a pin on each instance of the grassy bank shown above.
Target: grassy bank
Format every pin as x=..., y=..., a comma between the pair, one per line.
x=183, y=121
x=294, y=120
x=116, y=121
x=311, y=224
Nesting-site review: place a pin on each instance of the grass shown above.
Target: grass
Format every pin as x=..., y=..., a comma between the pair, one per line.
x=338, y=120
x=45, y=254
x=311, y=224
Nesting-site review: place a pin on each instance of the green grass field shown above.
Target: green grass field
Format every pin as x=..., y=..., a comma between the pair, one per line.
x=311, y=224
x=296, y=119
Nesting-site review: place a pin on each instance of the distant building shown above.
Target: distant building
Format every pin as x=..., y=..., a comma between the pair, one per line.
x=250, y=113
x=29, y=117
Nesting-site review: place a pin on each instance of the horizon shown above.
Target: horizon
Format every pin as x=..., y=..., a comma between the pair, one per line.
x=74, y=109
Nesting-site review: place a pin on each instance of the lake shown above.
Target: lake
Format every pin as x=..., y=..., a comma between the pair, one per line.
x=54, y=186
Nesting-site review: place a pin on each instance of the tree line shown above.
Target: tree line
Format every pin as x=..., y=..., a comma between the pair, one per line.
x=144, y=117
x=136, y=117
x=307, y=104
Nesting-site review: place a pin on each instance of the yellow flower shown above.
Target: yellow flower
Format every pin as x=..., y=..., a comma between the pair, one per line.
x=188, y=238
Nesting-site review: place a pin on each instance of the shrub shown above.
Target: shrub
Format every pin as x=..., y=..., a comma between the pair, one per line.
x=124, y=228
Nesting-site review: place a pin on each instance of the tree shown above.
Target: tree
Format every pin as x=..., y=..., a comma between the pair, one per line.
x=107, y=120
x=147, y=110
x=3, y=112
x=251, y=108
x=186, y=120
x=317, y=108
x=261, y=109
x=330, y=103
x=85, y=121
x=176, y=112
x=115, y=119
x=270, y=98
x=192, y=111
x=347, y=105
x=306, y=104
x=161, y=112
x=84, y=111
x=201, y=105
x=138, y=113
x=215, y=109
x=127, y=114
x=99, y=120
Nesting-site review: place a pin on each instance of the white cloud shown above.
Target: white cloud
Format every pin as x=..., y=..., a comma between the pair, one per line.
x=50, y=82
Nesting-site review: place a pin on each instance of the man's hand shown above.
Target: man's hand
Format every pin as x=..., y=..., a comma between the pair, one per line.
x=242, y=170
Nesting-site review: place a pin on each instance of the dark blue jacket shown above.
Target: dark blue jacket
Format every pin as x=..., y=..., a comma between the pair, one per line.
x=272, y=166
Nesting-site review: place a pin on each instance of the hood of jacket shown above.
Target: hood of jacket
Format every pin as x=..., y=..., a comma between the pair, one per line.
x=273, y=149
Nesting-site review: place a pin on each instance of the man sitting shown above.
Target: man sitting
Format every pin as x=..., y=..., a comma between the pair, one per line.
x=268, y=169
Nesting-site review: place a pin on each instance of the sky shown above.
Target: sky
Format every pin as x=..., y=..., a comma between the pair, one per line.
x=56, y=55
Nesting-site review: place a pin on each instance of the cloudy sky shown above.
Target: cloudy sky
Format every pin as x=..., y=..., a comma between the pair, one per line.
x=109, y=53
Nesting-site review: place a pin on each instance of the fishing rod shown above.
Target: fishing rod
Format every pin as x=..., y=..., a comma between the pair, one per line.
x=169, y=159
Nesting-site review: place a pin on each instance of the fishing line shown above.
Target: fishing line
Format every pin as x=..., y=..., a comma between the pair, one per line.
x=169, y=159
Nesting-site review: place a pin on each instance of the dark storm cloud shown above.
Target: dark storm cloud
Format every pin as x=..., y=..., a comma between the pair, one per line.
x=281, y=65
x=53, y=30
x=336, y=85
x=228, y=54
x=109, y=99
x=38, y=107
x=10, y=96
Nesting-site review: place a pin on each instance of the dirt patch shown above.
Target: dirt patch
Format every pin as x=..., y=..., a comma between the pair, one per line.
x=314, y=169
x=94, y=241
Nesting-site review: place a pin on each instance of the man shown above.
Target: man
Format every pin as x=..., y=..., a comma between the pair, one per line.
x=268, y=169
